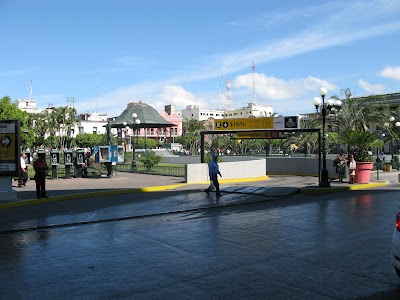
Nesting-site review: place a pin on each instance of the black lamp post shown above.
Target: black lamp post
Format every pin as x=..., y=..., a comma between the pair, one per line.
x=392, y=126
x=324, y=178
x=134, y=123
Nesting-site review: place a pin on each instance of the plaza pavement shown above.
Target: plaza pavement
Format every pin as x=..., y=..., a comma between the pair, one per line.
x=123, y=183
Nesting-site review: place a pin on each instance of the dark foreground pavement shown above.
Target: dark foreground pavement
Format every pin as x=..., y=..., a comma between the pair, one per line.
x=183, y=244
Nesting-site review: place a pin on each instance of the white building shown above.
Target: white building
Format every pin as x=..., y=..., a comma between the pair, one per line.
x=194, y=112
x=91, y=123
x=252, y=110
x=28, y=105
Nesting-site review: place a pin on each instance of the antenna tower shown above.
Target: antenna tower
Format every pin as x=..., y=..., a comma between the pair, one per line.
x=253, y=67
x=228, y=94
x=71, y=101
x=30, y=95
x=217, y=91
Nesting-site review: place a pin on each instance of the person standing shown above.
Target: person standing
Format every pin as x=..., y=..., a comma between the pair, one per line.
x=341, y=165
x=23, y=174
x=352, y=168
x=41, y=169
x=213, y=172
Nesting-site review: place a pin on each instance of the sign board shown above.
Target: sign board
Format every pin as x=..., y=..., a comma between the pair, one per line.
x=290, y=122
x=261, y=134
x=9, y=147
x=244, y=123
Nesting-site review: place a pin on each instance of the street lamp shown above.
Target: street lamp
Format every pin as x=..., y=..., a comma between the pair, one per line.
x=392, y=126
x=324, y=179
x=134, y=123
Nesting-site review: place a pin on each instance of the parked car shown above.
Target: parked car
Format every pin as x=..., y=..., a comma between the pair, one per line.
x=396, y=245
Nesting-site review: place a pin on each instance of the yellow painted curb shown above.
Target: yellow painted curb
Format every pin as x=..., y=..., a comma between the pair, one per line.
x=321, y=191
x=88, y=195
x=235, y=180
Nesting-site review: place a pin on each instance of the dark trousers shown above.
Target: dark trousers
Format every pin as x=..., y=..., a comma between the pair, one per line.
x=40, y=186
x=214, y=179
x=23, y=178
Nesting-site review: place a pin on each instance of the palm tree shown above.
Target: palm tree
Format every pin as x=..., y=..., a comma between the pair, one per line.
x=191, y=137
x=63, y=120
x=355, y=116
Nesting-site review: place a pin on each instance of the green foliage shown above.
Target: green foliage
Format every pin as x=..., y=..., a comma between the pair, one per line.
x=150, y=159
x=208, y=158
x=360, y=142
x=191, y=137
x=10, y=111
x=89, y=140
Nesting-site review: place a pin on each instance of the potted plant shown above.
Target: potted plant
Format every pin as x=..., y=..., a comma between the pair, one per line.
x=360, y=143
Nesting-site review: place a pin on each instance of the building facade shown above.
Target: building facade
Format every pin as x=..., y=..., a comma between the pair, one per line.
x=251, y=110
x=194, y=112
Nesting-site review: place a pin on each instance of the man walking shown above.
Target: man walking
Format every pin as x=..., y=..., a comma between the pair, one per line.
x=213, y=171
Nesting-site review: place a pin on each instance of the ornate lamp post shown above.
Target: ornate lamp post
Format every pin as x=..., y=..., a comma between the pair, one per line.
x=324, y=178
x=392, y=126
x=134, y=123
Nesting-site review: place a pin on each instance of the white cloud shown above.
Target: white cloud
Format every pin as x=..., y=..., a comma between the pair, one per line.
x=272, y=88
x=177, y=95
x=371, y=88
x=391, y=72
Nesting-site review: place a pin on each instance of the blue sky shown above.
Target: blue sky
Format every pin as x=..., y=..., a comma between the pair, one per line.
x=106, y=54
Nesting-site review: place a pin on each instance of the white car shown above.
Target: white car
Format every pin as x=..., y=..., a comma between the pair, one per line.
x=396, y=245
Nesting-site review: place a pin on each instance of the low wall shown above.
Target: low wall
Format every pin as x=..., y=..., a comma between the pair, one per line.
x=229, y=170
x=302, y=166
x=307, y=166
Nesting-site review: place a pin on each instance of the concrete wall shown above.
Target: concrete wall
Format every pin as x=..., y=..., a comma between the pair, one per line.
x=302, y=166
x=229, y=170
x=297, y=166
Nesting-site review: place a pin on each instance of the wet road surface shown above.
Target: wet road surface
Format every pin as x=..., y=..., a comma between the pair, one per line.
x=165, y=246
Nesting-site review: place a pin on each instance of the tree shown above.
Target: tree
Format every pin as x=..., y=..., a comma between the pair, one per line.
x=356, y=116
x=39, y=125
x=190, y=139
x=62, y=120
x=89, y=140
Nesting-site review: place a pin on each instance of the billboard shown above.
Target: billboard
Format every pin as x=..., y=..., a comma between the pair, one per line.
x=290, y=122
x=9, y=147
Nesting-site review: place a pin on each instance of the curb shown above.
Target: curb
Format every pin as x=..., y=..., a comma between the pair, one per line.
x=27, y=202
x=311, y=190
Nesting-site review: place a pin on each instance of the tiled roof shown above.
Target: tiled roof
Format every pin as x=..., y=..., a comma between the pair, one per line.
x=148, y=116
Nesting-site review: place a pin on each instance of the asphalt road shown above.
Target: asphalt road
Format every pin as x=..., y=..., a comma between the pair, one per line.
x=161, y=246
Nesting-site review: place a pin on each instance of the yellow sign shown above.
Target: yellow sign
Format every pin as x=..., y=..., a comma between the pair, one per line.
x=262, y=134
x=244, y=123
x=7, y=147
x=253, y=135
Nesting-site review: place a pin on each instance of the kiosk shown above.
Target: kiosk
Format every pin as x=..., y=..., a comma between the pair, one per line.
x=103, y=154
x=55, y=161
x=68, y=163
x=80, y=161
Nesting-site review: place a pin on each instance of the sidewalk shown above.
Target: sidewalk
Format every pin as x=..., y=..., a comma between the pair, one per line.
x=124, y=182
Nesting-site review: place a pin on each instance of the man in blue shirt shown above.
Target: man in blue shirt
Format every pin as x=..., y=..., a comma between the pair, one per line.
x=213, y=171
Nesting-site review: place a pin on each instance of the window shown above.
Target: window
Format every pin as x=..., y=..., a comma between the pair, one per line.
x=94, y=130
x=81, y=131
